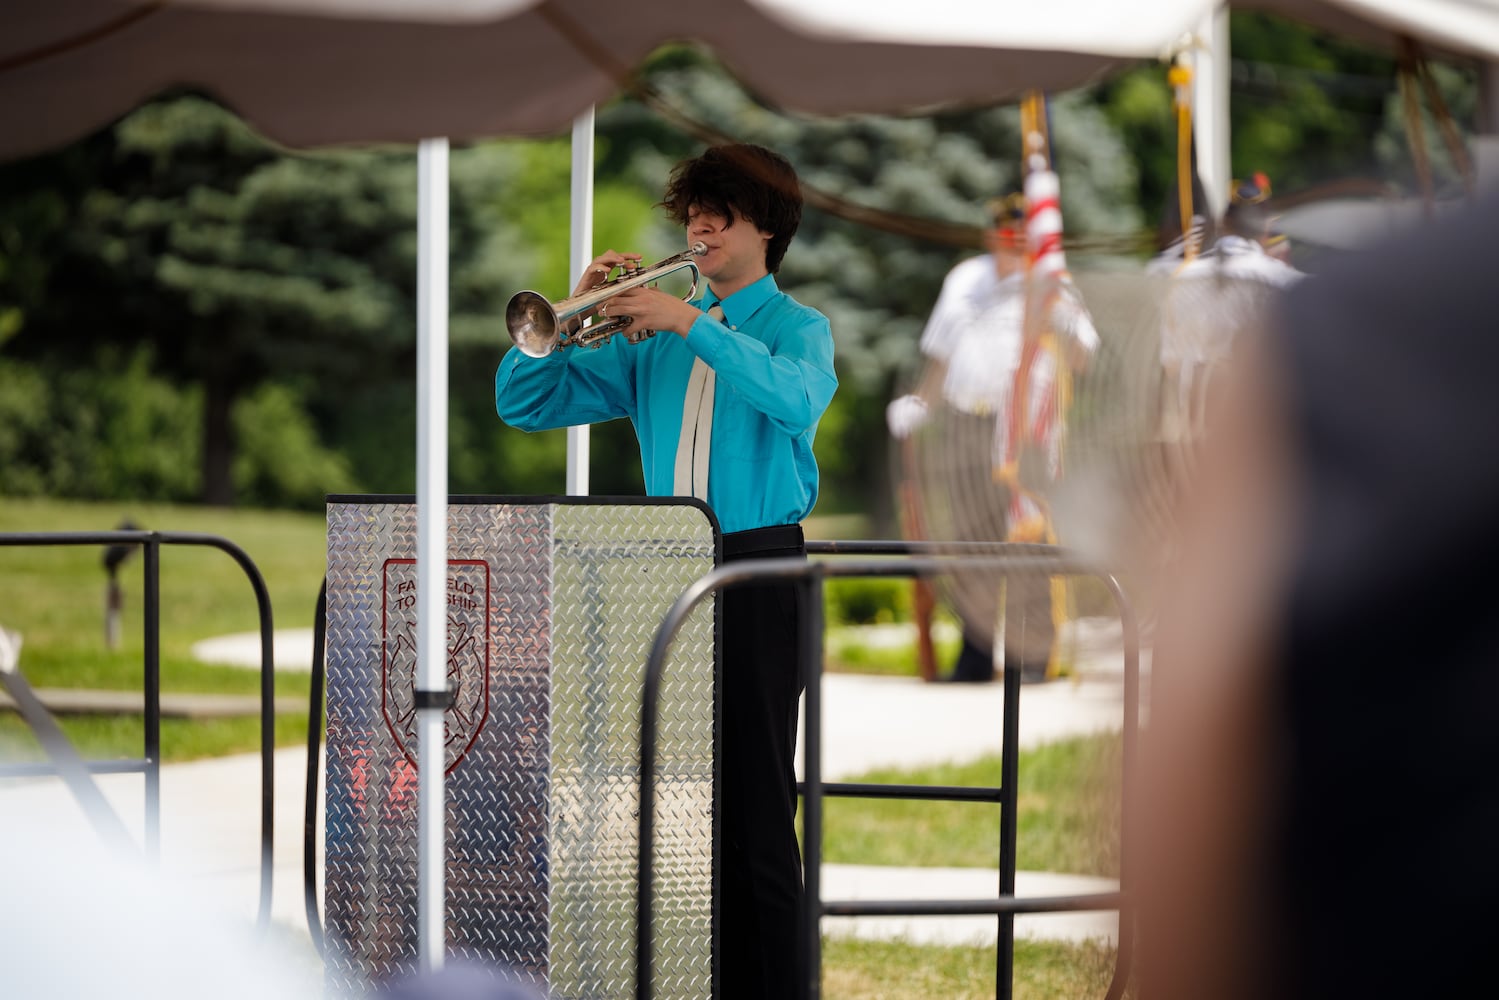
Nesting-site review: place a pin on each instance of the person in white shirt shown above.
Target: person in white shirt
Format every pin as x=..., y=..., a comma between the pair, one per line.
x=974, y=339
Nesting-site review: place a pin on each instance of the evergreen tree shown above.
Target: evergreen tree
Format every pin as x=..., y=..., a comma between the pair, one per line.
x=239, y=263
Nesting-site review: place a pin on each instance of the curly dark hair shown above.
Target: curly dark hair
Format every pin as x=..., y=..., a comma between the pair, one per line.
x=756, y=183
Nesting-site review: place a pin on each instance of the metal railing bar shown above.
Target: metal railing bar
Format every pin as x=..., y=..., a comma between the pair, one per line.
x=151, y=541
x=314, y=743
x=151, y=572
x=937, y=793
x=42, y=769
x=1003, y=905
x=809, y=597
x=1130, y=631
x=68, y=765
x=890, y=546
x=1009, y=823
x=1010, y=558
x=1131, y=642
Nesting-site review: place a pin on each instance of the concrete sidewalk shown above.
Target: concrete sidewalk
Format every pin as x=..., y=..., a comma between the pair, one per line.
x=211, y=809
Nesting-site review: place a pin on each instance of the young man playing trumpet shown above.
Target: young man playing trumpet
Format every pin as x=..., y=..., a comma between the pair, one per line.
x=725, y=401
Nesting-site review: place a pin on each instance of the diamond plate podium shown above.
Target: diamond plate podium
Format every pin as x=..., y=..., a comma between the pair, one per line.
x=552, y=606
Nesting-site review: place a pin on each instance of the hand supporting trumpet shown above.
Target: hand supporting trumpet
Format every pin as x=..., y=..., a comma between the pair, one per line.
x=595, y=274
x=653, y=309
x=647, y=308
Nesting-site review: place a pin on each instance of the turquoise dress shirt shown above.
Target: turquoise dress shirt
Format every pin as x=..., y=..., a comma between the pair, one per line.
x=773, y=359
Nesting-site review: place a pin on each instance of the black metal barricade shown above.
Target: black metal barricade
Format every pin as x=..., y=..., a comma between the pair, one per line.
x=76, y=772
x=918, y=559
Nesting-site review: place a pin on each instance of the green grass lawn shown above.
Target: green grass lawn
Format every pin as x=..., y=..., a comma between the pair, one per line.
x=54, y=597
x=893, y=970
x=55, y=594
x=1068, y=814
x=1069, y=822
x=849, y=650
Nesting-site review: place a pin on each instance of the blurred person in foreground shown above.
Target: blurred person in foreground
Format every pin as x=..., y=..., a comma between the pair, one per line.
x=87, y=919
x=976, y=339
x=461, y=980
x=1318, y=813
x=747, y=369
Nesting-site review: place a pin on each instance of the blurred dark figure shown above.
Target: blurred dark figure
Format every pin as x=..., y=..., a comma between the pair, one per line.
x=461, y=981
x=975, y=663
x=1320, y=813
x=114, y=598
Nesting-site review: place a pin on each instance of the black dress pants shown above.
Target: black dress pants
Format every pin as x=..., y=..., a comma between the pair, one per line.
x=760, y=872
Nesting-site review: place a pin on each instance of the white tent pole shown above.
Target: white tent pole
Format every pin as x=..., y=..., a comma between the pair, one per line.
x=431, y=542
x=1210, y=75
x=580, y=253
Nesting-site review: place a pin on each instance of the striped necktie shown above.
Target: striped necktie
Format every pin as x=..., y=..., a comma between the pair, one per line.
x=691, y=474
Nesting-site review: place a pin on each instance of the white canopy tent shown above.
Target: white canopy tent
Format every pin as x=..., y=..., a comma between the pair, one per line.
x=320, y=72
x=1467, y=28
x=324, y=72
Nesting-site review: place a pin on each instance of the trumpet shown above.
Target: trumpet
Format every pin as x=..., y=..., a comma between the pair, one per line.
x=539, y=327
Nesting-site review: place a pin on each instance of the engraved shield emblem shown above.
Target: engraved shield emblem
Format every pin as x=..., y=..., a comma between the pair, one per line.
x=467, y=655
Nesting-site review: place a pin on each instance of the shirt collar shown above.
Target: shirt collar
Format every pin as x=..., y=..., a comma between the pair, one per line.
x=743, y=304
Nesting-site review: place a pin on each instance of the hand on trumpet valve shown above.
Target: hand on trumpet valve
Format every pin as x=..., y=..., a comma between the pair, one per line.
x=598, y=269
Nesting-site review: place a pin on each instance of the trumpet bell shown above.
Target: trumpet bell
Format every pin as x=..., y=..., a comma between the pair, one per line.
x=533, y=324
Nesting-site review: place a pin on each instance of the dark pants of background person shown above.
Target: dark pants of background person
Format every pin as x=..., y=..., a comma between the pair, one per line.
x=1029, y=633
x=760, y=863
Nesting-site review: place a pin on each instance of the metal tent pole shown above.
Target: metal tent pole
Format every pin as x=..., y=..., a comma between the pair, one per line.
x=431, y=541
x=580, y=253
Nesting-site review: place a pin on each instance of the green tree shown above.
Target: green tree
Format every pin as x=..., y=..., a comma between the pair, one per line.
x=1305, y=107
x=238, y=263
x=115, y=430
